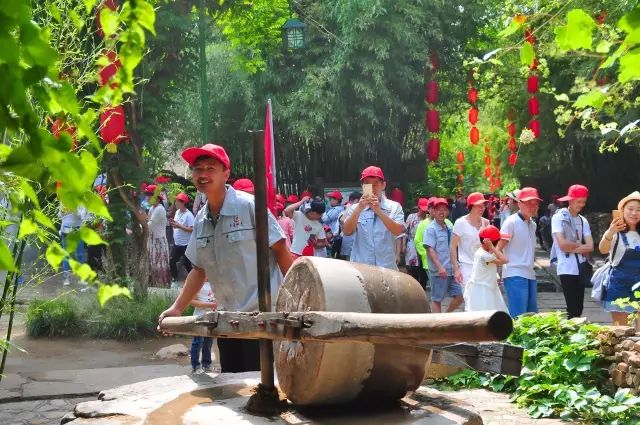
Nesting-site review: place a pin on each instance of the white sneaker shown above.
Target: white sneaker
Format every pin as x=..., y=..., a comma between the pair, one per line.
x=66, y=282
x=197, y=371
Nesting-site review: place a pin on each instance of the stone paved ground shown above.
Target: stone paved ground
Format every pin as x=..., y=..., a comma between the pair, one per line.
x=38, y=412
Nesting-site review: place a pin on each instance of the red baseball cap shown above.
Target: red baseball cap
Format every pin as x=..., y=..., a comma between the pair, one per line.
x=182, y=197
x=492, y=233
x=431, y=201
x=528, y=193
x=575, y=191
x=280, y=198
x=279, y=206
x=372, y=171
x=244, y=185
x=150, y=188
x=439, y=201
x=306, y=193
x=475, y=198
x=335, y=194
x=423, y=204
x=292, y=199
x=213, y=151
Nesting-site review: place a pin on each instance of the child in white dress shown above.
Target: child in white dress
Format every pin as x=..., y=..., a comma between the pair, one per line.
x=482, y=292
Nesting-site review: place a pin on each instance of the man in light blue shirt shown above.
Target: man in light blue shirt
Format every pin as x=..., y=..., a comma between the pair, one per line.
x=376, y=222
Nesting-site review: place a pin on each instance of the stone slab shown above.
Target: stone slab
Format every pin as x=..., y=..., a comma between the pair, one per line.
x=221, y=399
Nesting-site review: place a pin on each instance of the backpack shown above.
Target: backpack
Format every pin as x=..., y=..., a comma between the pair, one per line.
x=600, y=278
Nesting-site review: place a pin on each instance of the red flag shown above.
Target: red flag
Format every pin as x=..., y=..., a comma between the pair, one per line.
x=270, y=160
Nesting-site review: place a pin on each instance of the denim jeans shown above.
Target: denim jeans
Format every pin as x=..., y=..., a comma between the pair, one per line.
x=78, y=255
x=521, y=295
x=203, y=343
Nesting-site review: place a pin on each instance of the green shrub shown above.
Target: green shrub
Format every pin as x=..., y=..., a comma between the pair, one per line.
x=562, y=374
x=62, y=316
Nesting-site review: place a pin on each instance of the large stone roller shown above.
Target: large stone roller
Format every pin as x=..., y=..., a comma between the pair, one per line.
x=318, y=373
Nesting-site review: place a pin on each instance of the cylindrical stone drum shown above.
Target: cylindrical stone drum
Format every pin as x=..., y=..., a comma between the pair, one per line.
x=315, y=373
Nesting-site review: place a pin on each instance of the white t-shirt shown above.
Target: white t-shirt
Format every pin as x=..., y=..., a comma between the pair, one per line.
x=157, y=221
x=484, y=272
x=633, y=238
x=569, y=265
x=303, y=229
x=205, y=295
x=521, y=247
x=469, y=239
x=186, y=218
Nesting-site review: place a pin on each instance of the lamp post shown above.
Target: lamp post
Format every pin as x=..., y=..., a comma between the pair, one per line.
x=293, y=33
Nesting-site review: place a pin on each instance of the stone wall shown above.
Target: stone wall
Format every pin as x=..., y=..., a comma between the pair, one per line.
x=621, y=348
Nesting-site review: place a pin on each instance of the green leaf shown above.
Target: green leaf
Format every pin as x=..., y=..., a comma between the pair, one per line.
x=630, y=66
x=614, y=57
x=604, y=46
x=54, y=255
x=594, y=98
x=76, y=19
x=95, y=204
x=6, y=259
x=90, y=236
x=89, y=5
x=9, y=50
x=106, y=292
x=109, y=20
x=632, y=38
x=146, y=15
x=83, y=271
x=54, y=12
x=514, y=26
x=27, y=227
x=630, y=21
x=23, y=163
x=527, y=54
x=43, y=219
x=66, y=98
x=29, y=192
x=577, y=34
x=36, y=50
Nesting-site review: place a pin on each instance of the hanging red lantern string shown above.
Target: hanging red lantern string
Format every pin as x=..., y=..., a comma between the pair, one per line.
x=432, y=118
x=472, y=97
x=473, y=116
x=533, y=85
x=511, y=131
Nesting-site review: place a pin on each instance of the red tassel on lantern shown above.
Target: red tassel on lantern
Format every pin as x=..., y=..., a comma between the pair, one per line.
x=534, y=125
x=433, y=121
x=432, y=92
x=112, y=125
x=512, y=144
x=513, y=158
x=472, y=95
x=433, y=150
x=511, y=129
x=460, y=156
x=474, y=135
x=532, y=84
x=473, y=116
x=534, y=106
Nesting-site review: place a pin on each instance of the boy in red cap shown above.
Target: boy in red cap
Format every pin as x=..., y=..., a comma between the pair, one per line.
x=244, y=185
x=519, y=275
x=182, y=223
x=572, y=241
x=222, y=247
x=481, y=292
x=376, y=222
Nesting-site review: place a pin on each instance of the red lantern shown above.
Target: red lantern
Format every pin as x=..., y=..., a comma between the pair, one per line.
x=460, y=157
x=534, y=125
x=487, y=172
x=432, y=92
x=474, y=135
x=433, y=150
x=534, y=65
x=110, y=70
x=473, y=116
x=532, y=84
x=498, y=182
x=511, y=129
x=528, y=36
x=433, y=121
x=601, y=17
x=512, y=144
x=534, y=106
x=472, y=95
x=487, y=160
x=111, y=4
x=59, y=126
x=513, y=158
x=112, y=125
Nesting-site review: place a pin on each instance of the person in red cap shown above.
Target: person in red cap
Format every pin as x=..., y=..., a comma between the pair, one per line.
x=182, y=223
x=412, y=258
x=518, y=275
x=330, y=218
x=285, y=223
x=222, y=248
x=291, y=199
x=376, y=222
x=481, y=292
x=157, y=244
x=244, y=185
x=464, y=241
x=572, y=242
x=308, y=232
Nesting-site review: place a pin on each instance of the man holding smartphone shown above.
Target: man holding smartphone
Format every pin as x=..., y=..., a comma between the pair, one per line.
x=375, y=221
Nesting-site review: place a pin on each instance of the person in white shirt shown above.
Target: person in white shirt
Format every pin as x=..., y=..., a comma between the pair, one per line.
x=182, y=224
x=308, y=232
x=204, y=302
x=157, y=244
x=571, y=242
x=70, y=221
x=464, y=241
x=519, y=275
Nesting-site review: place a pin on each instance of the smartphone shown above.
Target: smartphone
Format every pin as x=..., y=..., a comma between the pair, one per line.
x=367, y=189
x=616, y=214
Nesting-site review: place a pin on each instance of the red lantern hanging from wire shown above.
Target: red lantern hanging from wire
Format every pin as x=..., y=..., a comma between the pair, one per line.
x=532, y=84
x=487, y=172
x=513, y=158
x=59, y=126
x=432, y=92
x=112, y=127
x=433, y=150
x=474, y=135
x=534, y=106
x=111, y=69
x=433, y=121
x=109, y=4
x=534, y=125
x=473, y=116
x=460, y=157
x=472, y=95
